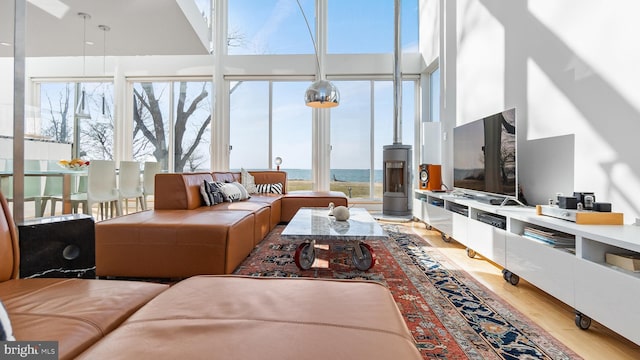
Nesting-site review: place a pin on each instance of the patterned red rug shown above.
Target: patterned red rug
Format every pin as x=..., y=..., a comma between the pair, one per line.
x=450, y=315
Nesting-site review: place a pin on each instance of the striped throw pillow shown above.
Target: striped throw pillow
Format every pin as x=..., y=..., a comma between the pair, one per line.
x=269, y=188
x=234, y=191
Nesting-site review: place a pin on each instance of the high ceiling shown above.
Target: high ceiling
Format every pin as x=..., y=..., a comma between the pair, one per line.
x=138, y=27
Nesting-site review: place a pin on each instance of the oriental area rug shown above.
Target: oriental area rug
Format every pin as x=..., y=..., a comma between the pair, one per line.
x=450, y=314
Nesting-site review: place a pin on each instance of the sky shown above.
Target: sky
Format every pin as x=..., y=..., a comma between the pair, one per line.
x=278, y=27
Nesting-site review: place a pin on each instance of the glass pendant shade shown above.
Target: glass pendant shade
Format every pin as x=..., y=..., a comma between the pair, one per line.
x=322, y=94
x=82, y=110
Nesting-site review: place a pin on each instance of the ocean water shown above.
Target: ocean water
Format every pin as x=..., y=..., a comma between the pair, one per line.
x=348, y=175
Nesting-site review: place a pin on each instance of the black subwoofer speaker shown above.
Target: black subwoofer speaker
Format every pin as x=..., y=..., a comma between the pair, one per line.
x=58, y=246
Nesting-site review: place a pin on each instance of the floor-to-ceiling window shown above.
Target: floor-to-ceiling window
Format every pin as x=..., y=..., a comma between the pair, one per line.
x=171, y=124
x=268, y=120
x=292, y=133
x=360, y=127
x=91, y=137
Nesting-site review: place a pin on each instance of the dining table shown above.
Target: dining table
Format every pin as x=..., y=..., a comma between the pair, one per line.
x=66, y=175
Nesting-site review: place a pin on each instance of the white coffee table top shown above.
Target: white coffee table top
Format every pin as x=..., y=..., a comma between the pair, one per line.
x=316, y=224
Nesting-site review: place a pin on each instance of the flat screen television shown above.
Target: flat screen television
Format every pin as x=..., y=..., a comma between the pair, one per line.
x=484, y=155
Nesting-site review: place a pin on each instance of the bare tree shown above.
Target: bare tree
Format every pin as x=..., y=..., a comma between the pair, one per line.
x=58, y=127
x=97, y=140
x=149, y=122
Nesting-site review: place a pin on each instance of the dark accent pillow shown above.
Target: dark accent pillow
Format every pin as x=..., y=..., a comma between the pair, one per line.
x=269, y=188
x=211, y=193
x=6, y=331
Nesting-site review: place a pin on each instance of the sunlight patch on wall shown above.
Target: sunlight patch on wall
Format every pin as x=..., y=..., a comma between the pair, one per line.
x=551, y=113
x=623, y=183
x=481, y=62
x=593, y=28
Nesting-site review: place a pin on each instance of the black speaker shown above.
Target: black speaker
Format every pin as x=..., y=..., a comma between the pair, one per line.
x=58, y=246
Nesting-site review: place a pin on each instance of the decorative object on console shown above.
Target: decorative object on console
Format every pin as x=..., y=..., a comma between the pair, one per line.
x=585, y=217
x=567, y=202
x=602, y=206
x=585, y=198
x=341, y=213
x=278, y=162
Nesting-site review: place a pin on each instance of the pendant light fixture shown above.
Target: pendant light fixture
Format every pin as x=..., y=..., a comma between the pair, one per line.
x=82, y=110
x=321, y=93
x=104, y=29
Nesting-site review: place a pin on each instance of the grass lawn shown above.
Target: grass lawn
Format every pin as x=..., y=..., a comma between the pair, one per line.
x=359, y=190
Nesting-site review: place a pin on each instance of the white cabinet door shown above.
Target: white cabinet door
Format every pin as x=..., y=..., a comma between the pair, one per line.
x=488, y=241
x=548, y=268
x=609, y=296
x=437, y=217
x=459, y=230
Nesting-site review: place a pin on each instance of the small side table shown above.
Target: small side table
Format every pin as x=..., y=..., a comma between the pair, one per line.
x=58, y=246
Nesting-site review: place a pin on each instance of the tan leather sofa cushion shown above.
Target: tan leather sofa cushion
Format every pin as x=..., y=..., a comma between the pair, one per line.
x=232, y=317
x=179, y=191
x=74, y=312
x=274, y=200
x=261, y=212
x=174, y=243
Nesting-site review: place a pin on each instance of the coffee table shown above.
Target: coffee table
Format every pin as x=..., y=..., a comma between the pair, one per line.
x=315, y=225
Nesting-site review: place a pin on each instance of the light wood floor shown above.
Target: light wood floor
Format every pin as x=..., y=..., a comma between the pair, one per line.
x=557, y=318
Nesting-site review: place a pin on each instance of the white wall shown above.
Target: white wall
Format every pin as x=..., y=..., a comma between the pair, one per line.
x=570, y=69
x=36, y=149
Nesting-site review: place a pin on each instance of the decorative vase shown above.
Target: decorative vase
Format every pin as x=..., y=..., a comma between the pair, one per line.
x=341, y=213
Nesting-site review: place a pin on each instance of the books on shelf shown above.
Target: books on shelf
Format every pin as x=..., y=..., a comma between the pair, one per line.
x=629, y=262
x=554, y=238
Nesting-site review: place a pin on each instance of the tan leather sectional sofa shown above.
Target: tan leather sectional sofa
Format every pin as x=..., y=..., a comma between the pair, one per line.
x=183, y=237
x=203, y=317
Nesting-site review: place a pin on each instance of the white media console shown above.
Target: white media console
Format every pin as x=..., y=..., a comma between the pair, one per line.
x=577, y=275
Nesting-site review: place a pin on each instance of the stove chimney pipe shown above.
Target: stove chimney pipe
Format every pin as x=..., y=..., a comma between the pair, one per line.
x=397, y=78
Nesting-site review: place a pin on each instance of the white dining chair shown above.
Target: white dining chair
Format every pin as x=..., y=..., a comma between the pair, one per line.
x=129, y=184
x=151, y=168
x=52, y=189
x=32, y=185
x=102, y=189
